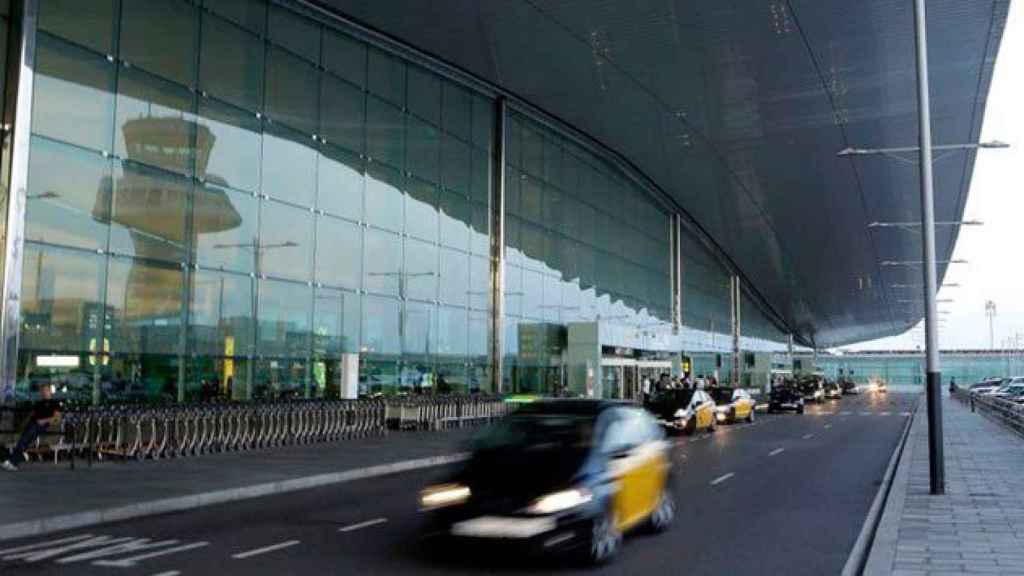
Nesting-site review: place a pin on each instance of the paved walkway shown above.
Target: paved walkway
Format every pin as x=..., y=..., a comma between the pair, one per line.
x=978, y=526
x=42, y=497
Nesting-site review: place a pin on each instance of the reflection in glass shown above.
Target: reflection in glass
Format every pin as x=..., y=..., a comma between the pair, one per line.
x=70, y=206
x=160, y=36
x=147, y=213
x=62, y=303
x=233, y=151
x=420, y=271
x=386, y=77
x=342, y=113
x=155, y=124
x=345, y=57
x=385, y=132
x=339, y=253
x=220, y=316
x=284, y=318
x=224, y=228
x=381, y=325
x=421, y=217
x=286, y=241
x=289, y=166
x=297, y=33
x=382, y=262
x=292, y=91
x=420, y=329
x=74, y=100
x=384, y=197
x=145, y=300
x=231, y=63
x=340, y=183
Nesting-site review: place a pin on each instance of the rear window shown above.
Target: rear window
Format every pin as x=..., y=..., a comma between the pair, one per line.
x=721, y=395
x=537, y=432
x=673, y=396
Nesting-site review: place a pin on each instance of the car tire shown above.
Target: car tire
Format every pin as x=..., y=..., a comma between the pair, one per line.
x=750, y=416
x=664, y=513
x=605, y=540
x=714, y=424
x=800, y=409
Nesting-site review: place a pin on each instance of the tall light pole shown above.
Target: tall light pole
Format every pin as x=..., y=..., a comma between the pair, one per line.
x=936, y=458
x=990, y=311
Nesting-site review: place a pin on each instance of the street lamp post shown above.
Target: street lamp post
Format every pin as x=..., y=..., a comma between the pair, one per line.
x=990, y=311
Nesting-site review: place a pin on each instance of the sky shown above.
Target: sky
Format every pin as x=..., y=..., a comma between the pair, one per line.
x=995, y=269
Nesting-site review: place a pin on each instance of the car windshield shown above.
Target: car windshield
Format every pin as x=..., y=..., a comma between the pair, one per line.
x=537, y=432
x=721, y=395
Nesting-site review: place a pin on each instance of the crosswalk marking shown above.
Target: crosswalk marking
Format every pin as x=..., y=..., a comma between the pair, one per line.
x=47, y=553
x=137, y=545
x=38, y=545
x=808, y=436
x=134, y=560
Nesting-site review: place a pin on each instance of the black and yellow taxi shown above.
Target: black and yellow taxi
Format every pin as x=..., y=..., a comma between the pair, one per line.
x=732, y=404
x=558, y=476
x=683, y=409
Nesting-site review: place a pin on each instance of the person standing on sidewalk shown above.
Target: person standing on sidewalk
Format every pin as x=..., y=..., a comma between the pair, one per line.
x=44, y=414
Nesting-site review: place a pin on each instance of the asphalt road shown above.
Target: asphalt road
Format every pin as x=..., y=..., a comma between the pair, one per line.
x=786, y=495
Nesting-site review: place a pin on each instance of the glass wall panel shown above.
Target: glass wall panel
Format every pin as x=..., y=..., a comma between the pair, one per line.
x=220, y=315
x=293, y=89
x=382, y=262
x=89, y=24
x=224, y=228
x=421, y=216
x=155, y=122
x=385, y=132
x=384, y=197
x=70, y=206
x=339, y=253
x=249, y=14
x=345, y=57
x=342, y=113
x=74, y=94
x=340, y=183
x=228, y=146
x=231, y=63
x=148, y=212
x=297, y=33
x=145, y=301
x=386, y=77
x=381, y=334
x=62, y=300
x=160, y=36
x=289, y=166
x=286, y=241
x=285, y=310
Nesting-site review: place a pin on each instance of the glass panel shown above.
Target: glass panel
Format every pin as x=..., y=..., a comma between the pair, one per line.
x=160, y=36
x=280, y=379
x=286, y=241
x=339, y=253
x=456, y=171
x=345, y=57
x=145, y=301
x=453, y=329
x=293, y=88
x=231, y=64
x=289, y=166
x=483, y=122
x=425, y=95
x=216, y=379
x=297, y=33
x=421, y=218
x=454, y=221
x=480, y=177
x=342, y=113
x=479, y=282
x=424, y=148
x=513, y=290
x=385, y=132
x=458, y=111
x=382, y=262
x=384, y=197
x=231, y=156
x=420, y=271
x=284, y=318
x=454, y=277
x=479, y=341
x=70, y=206
x=381, y=325
x=61, y=300
x=147, y=213
x=341, y=182
x=134, y=378
x=480, y=240
x=74, y=99
x=250, y=14
x=90, y=24
x=224, y=228
x=220, y=318
x=386, y=77
x=336, y=321
x=420, y=329
x=155, y=122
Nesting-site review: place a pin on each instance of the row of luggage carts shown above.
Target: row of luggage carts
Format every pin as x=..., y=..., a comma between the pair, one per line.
x=135, y=432
x=444, y=412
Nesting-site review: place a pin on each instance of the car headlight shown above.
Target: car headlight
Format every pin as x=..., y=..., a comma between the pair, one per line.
x=443, y=495
x=559, y=501
x=681, y=413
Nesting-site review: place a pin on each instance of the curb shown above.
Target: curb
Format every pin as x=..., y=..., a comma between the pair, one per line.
x=192, y=501
x=857, y=562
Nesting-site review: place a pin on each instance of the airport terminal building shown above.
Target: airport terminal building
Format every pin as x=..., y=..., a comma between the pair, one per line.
x=247, y=199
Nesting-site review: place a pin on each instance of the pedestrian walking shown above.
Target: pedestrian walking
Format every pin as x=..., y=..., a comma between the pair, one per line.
x=45, y=413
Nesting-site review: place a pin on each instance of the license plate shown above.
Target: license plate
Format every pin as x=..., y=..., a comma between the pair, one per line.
x=500, y=527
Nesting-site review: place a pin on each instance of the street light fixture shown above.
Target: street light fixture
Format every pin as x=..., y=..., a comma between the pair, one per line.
x=919, y=262
x=918, y=286
x=906, y=225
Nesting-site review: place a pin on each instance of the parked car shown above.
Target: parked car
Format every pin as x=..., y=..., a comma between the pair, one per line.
x=558, y=476
x=1011, y=392
x=833, y=391
x=732, y=404
x=986, y=385
x=849, y=386
x=812, y=390
x=786, y=397
x=683, y=409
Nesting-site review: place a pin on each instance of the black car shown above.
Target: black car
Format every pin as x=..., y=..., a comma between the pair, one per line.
x=558, y=475
x=833, y=391
x=848, y=386
x=786, y=398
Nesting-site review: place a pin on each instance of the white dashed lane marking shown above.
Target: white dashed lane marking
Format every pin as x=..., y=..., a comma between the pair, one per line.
x=827, y=426
x=168, y=573
x=904, y=413
x=808, y=436
x=129, y=562
x=885, y=413
x=722, y=478
x=264, y=550
x=359, y=525
x=777, y=451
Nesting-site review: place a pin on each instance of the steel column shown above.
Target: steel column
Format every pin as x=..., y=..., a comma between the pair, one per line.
x=736, y=321
x=936, y=460
x=498, y=245
x=676, y=250
x=17, y=120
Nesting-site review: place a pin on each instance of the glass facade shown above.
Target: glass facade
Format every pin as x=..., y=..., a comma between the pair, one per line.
x=247, y=194
x=906, y=370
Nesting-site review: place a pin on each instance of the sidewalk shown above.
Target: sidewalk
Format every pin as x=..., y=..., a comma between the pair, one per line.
x=978, y=526
x=44, y=498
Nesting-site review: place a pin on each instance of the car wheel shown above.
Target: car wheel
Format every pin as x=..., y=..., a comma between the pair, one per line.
x=664, y=513
x=750, y=416
x=800, y=409
x=714, y=424
x=605, y=539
